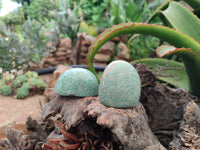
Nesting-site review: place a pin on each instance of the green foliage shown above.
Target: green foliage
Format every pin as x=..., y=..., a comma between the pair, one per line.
x=39, y=10
x=31, y=74
x=12, y=56
x=2, y=82
x=26, y=85
x=188, y=48
x=39, y=83
x=21, y=78
x=6, y=90
x=23, y=1
x=0, y=4
x=16, y=83
x=89, y=29
x=66, y=20
x=14, y=18
x=114, y=11
x=8, y=77
x=21, y=84
x=22, y=93
x=168, y=71
x=19, y=54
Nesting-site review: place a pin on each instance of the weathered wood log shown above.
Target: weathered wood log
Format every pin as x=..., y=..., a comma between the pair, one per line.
x=15, y=140
x=163, y=105
x=129, y=126
x=188, y=135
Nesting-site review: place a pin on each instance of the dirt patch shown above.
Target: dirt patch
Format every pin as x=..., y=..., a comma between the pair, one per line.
x=15, y=112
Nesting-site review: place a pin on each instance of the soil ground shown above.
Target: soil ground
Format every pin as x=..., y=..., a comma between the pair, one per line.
x=14, y=112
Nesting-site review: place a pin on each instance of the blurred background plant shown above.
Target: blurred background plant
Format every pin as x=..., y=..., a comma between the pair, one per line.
x=20, y=52
x=26, y=31
x=0, y=4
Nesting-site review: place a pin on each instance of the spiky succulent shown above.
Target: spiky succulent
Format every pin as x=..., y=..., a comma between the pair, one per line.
x=38, y=83
x=6, y=90
x=8, y=77
x=26, y=85
x=2, y=82
x=22, y=78
x=21, y=85
x=16, y=83
x=22, y=93
x=31, y=74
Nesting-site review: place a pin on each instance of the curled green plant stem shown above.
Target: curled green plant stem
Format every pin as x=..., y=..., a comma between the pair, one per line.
x=171, y=36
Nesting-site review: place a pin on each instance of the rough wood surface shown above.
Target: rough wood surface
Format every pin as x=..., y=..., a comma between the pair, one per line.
x=128, y=125
x=15, y=140
x=163, y=105
x=188, y=136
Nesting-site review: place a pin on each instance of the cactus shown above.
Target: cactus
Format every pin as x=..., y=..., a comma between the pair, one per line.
x=22, y=93
x=6, y=90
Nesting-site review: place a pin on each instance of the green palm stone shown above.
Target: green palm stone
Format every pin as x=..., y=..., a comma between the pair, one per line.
x=120, y=85
x=77, y=82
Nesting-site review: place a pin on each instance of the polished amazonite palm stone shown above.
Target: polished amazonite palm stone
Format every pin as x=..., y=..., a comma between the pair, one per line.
x=120, y=85
x=77, y=82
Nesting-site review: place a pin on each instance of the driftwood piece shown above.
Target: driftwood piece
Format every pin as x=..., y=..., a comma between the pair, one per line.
x=129, y=126
x=163, y=105
x=15, y=140
x=188, y=136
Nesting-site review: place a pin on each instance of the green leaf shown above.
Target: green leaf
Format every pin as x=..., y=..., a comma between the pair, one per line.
x=193, y=3
x=191, y=61
x=168, y=71
x=171, y=36
x=183, y=20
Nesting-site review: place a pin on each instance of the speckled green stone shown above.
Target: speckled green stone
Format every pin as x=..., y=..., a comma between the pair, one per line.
x=120, y=85
x=77, y=82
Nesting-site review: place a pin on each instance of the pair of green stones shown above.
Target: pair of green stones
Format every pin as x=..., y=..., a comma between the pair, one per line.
x=119, y=87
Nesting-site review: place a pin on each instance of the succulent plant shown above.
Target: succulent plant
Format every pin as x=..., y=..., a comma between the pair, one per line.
x=6, y=90
x=26, y=85
x=77, y=82
x=21, y=85
x=31, y=74
x=22, y=78
x=8, y=77
x=16, y=83
x=22, y=93
x=2, y=82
